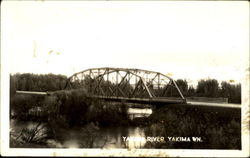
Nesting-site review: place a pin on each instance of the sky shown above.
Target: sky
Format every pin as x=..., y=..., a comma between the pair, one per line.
x=187, y=40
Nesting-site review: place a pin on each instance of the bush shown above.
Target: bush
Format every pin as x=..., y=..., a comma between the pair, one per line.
x=21, y=104
x=217, y=129
x=34, y=134
x=109, y=114
x=70, y=108
x=75, y=108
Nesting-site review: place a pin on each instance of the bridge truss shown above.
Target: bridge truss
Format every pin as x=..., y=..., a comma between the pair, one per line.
x=125, y=83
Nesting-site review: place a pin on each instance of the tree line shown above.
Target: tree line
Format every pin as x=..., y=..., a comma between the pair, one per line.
x=212, y=88
x=37, y=82
x=52, y=82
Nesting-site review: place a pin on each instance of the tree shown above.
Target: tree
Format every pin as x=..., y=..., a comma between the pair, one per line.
x=225, y=89
x=230, y=91
x=183, y=86
x=171, y=90
x=36, y=82
x=208, y=88
x=191, y=91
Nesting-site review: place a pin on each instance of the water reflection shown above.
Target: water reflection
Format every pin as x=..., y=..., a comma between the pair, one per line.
x=93, y=137
x=136, y=138
x=113, y=137
x=72, y=143
x=108, y=138
x=138, y=112
x=122, y=137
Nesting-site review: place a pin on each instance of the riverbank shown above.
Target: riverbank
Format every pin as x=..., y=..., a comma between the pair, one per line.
x=29, y=133
x=169, y=127
x=215, y=127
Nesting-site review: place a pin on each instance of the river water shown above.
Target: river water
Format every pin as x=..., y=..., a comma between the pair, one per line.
x=109, y=137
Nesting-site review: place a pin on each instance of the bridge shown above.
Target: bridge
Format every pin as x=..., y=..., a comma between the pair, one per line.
x=127, y=85
x=124, y=85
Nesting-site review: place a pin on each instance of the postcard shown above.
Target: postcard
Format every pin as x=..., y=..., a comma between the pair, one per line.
x=125, y=78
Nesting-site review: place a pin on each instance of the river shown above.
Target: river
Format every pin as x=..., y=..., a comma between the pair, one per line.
x=108, y=137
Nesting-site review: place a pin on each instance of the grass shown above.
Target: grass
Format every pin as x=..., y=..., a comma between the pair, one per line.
x=33, y=135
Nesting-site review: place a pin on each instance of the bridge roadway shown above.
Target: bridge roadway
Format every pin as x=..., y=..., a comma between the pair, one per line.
x=166, y=101
x=154, y=101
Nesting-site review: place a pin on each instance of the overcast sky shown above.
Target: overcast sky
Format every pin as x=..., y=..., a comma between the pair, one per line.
x=188, y=40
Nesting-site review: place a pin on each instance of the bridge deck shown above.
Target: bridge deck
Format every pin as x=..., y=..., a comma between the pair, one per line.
x=225, y=105
x=155, y=101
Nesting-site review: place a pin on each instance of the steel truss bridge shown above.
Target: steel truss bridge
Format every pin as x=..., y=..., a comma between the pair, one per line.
x=127, y=85
x=130, y=85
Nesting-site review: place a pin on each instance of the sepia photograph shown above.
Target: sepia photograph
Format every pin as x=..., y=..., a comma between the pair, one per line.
x=125, y=78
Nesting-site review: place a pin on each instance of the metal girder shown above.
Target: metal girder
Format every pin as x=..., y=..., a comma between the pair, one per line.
x=136, y=87
x=117, y=87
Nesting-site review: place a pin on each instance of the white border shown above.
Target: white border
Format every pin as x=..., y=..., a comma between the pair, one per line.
x=6, y=151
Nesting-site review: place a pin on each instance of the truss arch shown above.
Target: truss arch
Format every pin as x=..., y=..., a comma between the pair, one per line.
x=124, y=82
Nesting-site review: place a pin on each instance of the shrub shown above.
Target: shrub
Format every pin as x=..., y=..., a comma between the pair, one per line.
x=70, y=108
x=21, y=104
x=217, y=129
x=34, y=134
x=109, y=114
